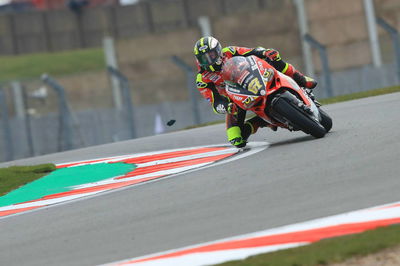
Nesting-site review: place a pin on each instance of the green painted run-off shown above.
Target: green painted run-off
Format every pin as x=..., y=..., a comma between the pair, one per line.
x=64, y=179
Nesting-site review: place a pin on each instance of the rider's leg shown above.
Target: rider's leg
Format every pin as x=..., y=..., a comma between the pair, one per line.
x=234, y=127
x=252, y=125
x=301, y=79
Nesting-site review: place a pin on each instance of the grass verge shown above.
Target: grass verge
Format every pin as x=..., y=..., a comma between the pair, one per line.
x=58, y=63
x=15, y=176
x=328, y=251
x=359, y=95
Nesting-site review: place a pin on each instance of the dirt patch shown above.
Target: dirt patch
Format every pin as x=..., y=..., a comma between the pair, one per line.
x=387, y=257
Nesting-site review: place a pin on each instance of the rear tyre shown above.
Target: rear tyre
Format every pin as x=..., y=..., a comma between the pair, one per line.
x=298, y=118
x=326, y=120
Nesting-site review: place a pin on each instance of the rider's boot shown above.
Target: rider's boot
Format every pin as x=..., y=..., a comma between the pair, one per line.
x=301, y=79
x=251, y=126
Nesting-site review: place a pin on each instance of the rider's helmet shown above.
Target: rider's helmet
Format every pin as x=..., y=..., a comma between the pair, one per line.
x=208, y=52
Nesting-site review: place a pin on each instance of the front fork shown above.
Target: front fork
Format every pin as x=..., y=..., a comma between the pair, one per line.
x=311, y=110
x=312, y=96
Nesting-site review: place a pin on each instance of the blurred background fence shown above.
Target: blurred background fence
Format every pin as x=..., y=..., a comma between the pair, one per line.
x=149, y=88
x=63, y=28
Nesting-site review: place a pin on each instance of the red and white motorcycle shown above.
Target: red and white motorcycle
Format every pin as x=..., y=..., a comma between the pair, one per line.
x=254, y=85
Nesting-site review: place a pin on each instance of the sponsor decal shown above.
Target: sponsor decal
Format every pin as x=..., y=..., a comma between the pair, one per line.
x=249, y=101
x=215, y=78
x=232, y=89
x=220, y=108
x=243, y=76
x=268, y=74
x=247, y=80
x=253, y=63
x=254, y=85
x=212, y=76
x=203, y=48
x=236, y=97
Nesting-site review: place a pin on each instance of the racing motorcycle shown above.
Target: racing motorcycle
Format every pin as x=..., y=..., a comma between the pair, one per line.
x=255, y=85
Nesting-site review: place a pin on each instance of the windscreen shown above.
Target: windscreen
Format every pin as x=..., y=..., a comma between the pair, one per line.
x=236, y=70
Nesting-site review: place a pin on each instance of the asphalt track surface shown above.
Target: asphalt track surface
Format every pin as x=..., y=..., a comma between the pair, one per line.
x=296, y=179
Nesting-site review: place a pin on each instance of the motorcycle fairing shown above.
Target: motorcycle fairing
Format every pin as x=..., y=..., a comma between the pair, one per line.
x=252, y=83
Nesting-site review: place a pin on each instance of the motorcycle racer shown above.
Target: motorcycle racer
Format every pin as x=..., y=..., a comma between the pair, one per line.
x=210, y=57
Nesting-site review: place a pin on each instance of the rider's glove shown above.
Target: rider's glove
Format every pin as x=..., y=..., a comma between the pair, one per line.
x=232, y=109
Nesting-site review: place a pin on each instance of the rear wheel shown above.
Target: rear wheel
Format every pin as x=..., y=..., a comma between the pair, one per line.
x=298, y=118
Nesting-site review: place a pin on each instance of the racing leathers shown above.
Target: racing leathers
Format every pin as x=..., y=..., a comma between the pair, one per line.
x=212, y=87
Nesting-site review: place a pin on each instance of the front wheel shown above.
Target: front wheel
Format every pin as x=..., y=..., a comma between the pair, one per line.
x=297, y=118
x=326, y=120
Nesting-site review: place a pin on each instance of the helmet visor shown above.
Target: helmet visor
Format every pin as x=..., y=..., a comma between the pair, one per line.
x=208, y=58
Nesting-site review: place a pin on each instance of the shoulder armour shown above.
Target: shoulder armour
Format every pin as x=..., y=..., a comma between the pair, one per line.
x=229, y=49
x=199, y=81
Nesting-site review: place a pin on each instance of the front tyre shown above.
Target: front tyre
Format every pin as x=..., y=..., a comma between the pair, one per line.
x=297, y=118
x=326, y=120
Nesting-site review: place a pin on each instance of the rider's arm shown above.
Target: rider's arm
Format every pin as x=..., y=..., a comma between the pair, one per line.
x=210, y=93
x=270, y=55
x=273, y=57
